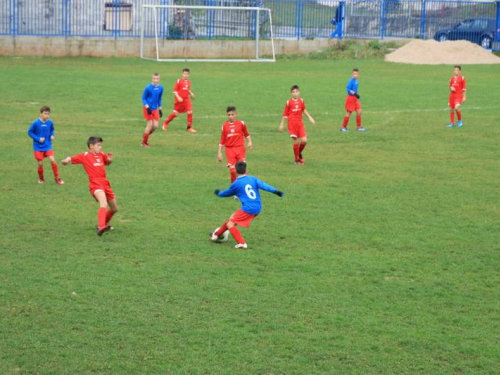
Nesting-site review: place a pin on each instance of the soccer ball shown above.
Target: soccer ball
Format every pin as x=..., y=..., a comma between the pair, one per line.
x=223, y=237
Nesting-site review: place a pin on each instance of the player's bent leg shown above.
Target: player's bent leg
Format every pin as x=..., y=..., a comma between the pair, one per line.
x=113, y=209
x=241, y=244
x=190, y=122
x=302, y=146
x=55, y=170
x=147, y=132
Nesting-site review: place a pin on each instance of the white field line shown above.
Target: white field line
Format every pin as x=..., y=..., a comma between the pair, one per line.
x=278, y=115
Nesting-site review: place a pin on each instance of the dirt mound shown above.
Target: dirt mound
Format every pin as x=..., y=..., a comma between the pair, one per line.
x=431, y=52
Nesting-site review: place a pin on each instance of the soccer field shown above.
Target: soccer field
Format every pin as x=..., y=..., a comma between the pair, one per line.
x=382, y=257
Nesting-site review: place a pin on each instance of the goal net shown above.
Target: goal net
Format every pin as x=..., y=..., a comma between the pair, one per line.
x=206, y=33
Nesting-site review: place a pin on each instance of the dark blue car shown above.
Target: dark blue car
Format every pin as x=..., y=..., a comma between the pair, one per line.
x=481, y=31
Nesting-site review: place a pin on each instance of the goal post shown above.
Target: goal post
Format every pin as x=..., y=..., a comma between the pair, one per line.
x=162, y=27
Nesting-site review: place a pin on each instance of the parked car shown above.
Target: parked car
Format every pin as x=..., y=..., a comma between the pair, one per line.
x=481, y=31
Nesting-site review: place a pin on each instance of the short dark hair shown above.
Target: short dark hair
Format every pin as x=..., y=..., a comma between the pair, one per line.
x=93, y=140
x=44, y=109
x=459, y=67
x=186, y=70
x=156, y=74
x=355, y=70
x=294, y=87
x=230, y=109
x=241, y=167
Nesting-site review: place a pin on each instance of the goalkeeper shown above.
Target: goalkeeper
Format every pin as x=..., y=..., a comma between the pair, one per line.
x=151, y=107
x=352, y=103
x=246, y=188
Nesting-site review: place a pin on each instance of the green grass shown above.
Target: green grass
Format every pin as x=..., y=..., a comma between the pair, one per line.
x=383, y=256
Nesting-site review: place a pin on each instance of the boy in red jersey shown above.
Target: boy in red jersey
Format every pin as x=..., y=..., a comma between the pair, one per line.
x=182, y=102
x=94, y=162
x=457, y=96
x=293, y=114
x=151, y=110
x=42, y=132
x=232, y=137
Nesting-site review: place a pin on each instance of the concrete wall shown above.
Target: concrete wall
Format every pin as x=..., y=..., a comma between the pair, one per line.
x=99, y=47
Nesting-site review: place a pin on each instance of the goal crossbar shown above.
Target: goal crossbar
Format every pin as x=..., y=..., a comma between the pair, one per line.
x=258, y=10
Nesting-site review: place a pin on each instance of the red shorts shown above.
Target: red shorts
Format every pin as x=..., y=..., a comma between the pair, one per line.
x=242, y=218
x=155, y=114
x=455, y=99
x=183, y=107
x=102, y=185
x=235, y=154
x=352, y=104
x=40, y=155
x=296, y=129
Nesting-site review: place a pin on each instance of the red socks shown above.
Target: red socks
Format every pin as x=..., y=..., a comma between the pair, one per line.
x=302, y=146
x=40, y=173
x=232, y=171
x=145, y=138
x=358, y=121
x=236, y=235
x=221, y=230
x=459, y=115
x=346, y=121
x=171, y=117
x=190, y=120
x=55, y=169
x=101, y=217
x=452, y=117
x=109, y=216
x=296, y=151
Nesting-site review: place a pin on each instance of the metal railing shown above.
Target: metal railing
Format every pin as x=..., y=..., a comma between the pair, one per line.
x=476, y=21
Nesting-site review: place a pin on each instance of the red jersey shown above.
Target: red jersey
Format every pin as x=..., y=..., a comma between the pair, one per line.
x=182, y=88
x=294, y=109
x=233, y=134
x=458, y=82
x=94, y=164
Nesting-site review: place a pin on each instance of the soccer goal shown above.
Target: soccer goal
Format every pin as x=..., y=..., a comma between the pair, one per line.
x=206, y=33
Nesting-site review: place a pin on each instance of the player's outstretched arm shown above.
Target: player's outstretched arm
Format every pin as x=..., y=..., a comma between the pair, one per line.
x=263, y=186
x=66, y=161
x=311, y=120
x=225, y=193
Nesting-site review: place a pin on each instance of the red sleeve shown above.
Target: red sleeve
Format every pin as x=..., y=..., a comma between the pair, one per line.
x=105, y=158
x=222, y=136
x=245, y=130
x=77, y=159
x=286, y=111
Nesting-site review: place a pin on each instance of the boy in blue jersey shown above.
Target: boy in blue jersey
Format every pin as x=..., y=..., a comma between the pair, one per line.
x=246, y=188
x=42, y=132
x=352, y=103
x=151, y=101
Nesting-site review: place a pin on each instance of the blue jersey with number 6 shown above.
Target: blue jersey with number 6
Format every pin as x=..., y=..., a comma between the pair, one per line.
x=246, y=188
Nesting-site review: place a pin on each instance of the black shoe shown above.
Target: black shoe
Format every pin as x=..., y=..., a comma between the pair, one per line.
x=101, y=231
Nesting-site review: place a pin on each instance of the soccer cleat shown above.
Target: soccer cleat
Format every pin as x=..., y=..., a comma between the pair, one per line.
x=450, y=125
x=360, y=129
x=344, y=130
x=145, y=145
x=165, y=126
x=100, y=232
x=299, y=162
x=41, y=181
x=460, y=124
x=59, y=181
x=191, y=130
x=241, y=246
x=110, y=228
